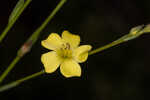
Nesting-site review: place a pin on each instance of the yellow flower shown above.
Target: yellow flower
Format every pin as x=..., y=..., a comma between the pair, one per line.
x=66, y=53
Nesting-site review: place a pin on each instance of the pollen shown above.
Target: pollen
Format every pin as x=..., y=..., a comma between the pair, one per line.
x=65, y=51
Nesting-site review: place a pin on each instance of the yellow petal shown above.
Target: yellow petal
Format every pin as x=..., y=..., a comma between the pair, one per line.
x=73, y=40
x=70, y=68
x=81, y=53
x=51, y=61
x=53, y=41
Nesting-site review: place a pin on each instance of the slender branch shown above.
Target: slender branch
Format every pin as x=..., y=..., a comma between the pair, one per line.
x=35, y=35
x=13, y=63
x=17, y=82
x=105, y=47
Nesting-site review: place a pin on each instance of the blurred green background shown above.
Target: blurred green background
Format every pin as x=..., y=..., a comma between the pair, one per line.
x=119, y=73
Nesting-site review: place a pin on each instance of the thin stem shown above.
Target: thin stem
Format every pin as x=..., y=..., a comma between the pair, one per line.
x=9, y=26
x=32, y=39
x=30, y=76
x=36, y=34
x=106, y=46
x=17, y=82
x=10, y=67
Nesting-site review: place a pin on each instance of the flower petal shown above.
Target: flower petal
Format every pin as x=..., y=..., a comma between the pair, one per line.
x=81, y=53
x=70, y=68
x=73, y=40
x=51, y=61
x=53, y=41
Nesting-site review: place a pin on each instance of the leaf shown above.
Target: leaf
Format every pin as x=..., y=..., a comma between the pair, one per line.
x=15, y=11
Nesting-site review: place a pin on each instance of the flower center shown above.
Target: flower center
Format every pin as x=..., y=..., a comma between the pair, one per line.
x=65, y=51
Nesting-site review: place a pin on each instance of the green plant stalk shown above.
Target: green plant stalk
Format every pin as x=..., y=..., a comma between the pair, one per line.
x=13, y=63
x=9, y=26
x=106, y=46
x=15, y=83
x=36, y=34
x=32, y=39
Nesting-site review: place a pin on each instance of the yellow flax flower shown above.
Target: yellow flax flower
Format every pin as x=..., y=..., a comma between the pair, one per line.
x=66, y=53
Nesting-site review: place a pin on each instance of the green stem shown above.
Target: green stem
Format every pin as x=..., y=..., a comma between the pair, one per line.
x=106, y=46
x=36, y=34
x=10, y=67
x=17, y=82
x=9, y=26
x=32, y=39
x=30, y=76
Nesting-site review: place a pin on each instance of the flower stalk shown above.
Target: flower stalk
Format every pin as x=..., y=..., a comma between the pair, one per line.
x=17, y=82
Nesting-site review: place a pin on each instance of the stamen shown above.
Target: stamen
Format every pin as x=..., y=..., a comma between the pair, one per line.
x=67, y=45
x=65, y=51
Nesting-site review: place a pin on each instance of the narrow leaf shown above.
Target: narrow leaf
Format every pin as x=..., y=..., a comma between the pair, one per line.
x=15, y=11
